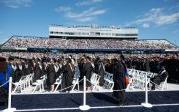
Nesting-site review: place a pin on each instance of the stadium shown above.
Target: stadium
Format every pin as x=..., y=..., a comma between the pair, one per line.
x=80, y=60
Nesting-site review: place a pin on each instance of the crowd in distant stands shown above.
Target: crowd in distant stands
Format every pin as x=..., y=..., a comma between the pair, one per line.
x=25, y=42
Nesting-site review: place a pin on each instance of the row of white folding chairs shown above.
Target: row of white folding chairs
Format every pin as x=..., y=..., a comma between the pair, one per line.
x=137, y=79
x=23, y=83
x=135, y=72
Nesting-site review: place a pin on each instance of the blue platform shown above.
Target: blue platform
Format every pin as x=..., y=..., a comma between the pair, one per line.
x=100, y=102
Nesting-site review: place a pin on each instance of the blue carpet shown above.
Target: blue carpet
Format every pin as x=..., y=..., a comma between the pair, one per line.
x=98, y=99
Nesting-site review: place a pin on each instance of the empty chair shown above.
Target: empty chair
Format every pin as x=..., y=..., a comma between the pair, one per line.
x=108, y=81
x=58, y=82
x=95, y=80
x=39, y=83
x=20, y=84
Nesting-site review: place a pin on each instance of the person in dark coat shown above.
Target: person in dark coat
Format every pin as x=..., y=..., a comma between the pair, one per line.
x=18, y=72
x=14, y=68
x=96, y=65
x=88, y=70
x=108, y=66
x=81, y=66
x=68, y=74
x=58, y=68
x=99, y=69
x=51, y=75
x=37, y=71
x=118, y=78
x=26, y=68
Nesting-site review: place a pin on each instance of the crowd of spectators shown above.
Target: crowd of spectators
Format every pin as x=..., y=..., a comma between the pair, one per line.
x=20, y=42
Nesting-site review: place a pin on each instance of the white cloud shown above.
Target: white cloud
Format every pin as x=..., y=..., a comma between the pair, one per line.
x=87, y=2
x=84, y=16
x=87, y=13
x=62, y=9
x=145, y=25
x=17, y=3
x=157, y=16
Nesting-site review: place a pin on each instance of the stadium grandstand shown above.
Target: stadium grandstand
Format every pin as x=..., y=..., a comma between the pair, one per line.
x=104, y=38
x=25, y=42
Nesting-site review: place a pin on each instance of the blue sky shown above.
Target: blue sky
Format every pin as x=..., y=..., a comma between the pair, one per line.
x=155, y=19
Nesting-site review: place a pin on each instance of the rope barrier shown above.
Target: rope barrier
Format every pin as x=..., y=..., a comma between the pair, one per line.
x=4, y=84
x=69, y=86
x=103, y=91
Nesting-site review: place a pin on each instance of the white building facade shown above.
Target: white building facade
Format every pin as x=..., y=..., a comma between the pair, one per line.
x=92, y=32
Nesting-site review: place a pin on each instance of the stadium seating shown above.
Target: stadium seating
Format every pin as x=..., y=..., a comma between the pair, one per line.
x=35, y=42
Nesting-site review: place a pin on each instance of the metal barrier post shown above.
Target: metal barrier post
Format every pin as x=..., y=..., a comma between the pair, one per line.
x=146, y=104
x=84, y=106
x=9, y=109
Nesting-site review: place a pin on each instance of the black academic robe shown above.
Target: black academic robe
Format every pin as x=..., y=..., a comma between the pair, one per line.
x=118, y=78
x=108, y=68
x=26, y=69
x=88, y=70
x=101, y=73
x=37, y=72
x=59, y=71
x=51, y=75
x=18, y=73
x=82, y=71
x=68, y=74
x=119, y=73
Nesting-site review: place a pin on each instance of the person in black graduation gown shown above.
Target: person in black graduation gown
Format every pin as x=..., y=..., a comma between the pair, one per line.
x=88, y=70
x=19, y=71
x=81, y=65
x=26, y=68
x=96, y=65
x=108, y=65
x=51, y=75
x=37, y=70
x=99, y=69
x=68, y=74
x=118, y=71
x=58, y=69
x=14, y=68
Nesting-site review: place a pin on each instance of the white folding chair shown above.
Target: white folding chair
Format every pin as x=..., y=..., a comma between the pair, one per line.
x=75, y=83
x=163, y=85
x=95, y=80
x=20, y=84
x=39, y=83
x=58, y=82
x=108, y=81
